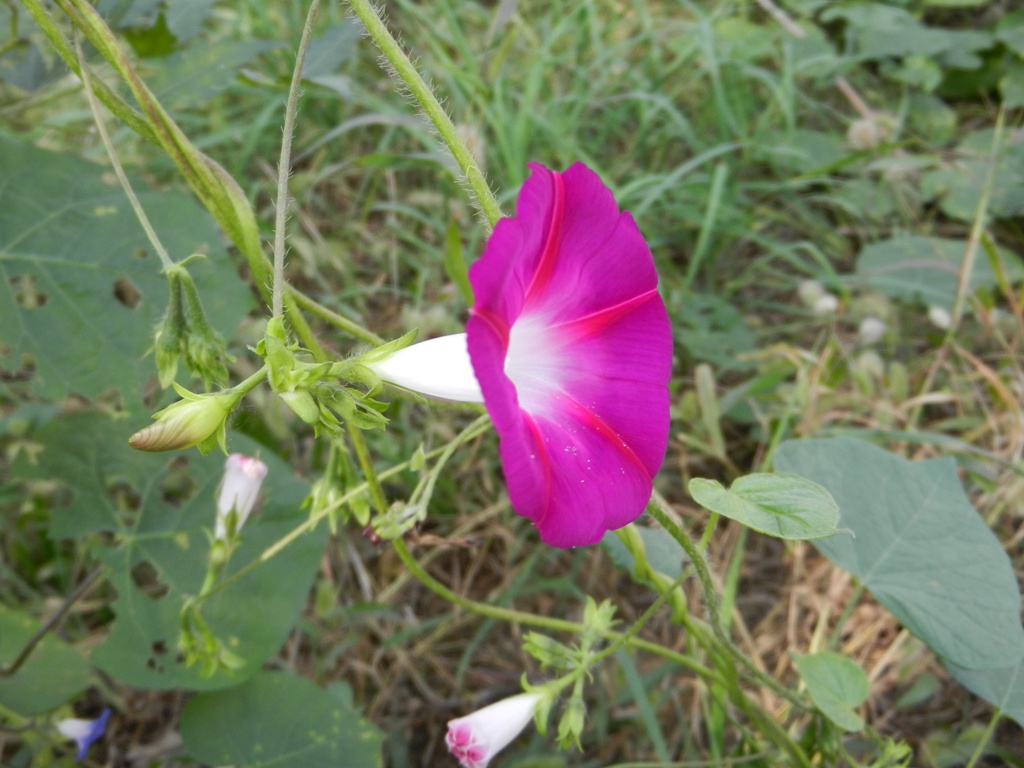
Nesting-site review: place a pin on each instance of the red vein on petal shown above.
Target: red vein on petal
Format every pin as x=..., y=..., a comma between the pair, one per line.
x=588, y=418
x=545, y=462
x=580, y=328
x=495, y=323
x=546, y=263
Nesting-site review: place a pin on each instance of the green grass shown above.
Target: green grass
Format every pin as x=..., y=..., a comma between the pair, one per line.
x=726, y=137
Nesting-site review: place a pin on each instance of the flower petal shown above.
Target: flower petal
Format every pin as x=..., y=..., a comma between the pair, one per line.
x=437, y=367
x=84, y=732
x=572, y=347
x=479, y=736
x=239, y=488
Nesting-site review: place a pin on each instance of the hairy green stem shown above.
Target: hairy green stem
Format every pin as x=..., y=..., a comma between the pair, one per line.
x=247, y=385
x=657, y=509
x=544, y=622
x=94, y=107
x=285, y=163
x=405, y=71
x=663, y=597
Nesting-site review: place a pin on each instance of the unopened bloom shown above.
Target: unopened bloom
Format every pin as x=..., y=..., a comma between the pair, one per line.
x=84, y=732
x=243, y=477
x=570, y=349
x=478, y=737
x=194, y=420
x=940, y=317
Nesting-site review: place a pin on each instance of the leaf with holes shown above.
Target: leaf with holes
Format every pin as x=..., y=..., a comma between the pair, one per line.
x=80, y=288
x=777, y=504
x=52, y=675
x=837, y=686
x=919, y=546
x=278, y=720
x=160, y=509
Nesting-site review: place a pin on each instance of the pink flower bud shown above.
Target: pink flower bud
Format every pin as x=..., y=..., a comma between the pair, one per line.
x=238, y=490
x=478, y=737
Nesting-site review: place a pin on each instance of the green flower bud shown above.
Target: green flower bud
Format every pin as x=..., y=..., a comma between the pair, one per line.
x=170, y=332
x=205, y=351
x=304, y=405
x=197, y=420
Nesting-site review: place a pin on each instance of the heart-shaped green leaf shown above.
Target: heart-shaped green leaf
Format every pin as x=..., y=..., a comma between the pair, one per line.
x=919, y=546
x=836, y=684
x=778, y=504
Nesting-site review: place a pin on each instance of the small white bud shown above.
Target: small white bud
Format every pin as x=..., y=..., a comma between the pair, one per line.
x=810, y=291
x=243, y=477
x=826, y=304
x=940, y=317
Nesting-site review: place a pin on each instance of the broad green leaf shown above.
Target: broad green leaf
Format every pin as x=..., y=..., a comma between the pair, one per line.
x=1003, y=688
x=919, y=546
x=159, y=509
x=195, y=75
x=1010, y=32
x=884, y=31
x=801, y=151
x=836, y=684
x=130, y=13
x=80, y=288
x=330, y=50
x=27, y=66
x=185, y=18
x=53, y=675
x=926, y=269
x=959, y=184
x=778, y=504
x=275, y=719
x=1011, y=85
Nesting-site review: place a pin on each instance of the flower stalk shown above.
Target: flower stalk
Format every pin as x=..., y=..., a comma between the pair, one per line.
x=404, y=70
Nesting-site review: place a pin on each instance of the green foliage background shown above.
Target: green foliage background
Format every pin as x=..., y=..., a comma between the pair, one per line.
x=871, y=147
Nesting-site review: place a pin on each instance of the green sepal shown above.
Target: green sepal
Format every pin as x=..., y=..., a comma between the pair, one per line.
x=205, y=351
x=570, y=727
x=170, y=333
x=550, y=653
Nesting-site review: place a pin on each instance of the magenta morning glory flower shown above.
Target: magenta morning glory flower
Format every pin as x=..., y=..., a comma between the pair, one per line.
x=571, y=352
x=84, y=732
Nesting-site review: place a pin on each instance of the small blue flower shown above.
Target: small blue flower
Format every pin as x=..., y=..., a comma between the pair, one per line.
x=84, y=732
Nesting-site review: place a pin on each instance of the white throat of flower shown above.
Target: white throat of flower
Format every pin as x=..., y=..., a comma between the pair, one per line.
x=535, y=363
